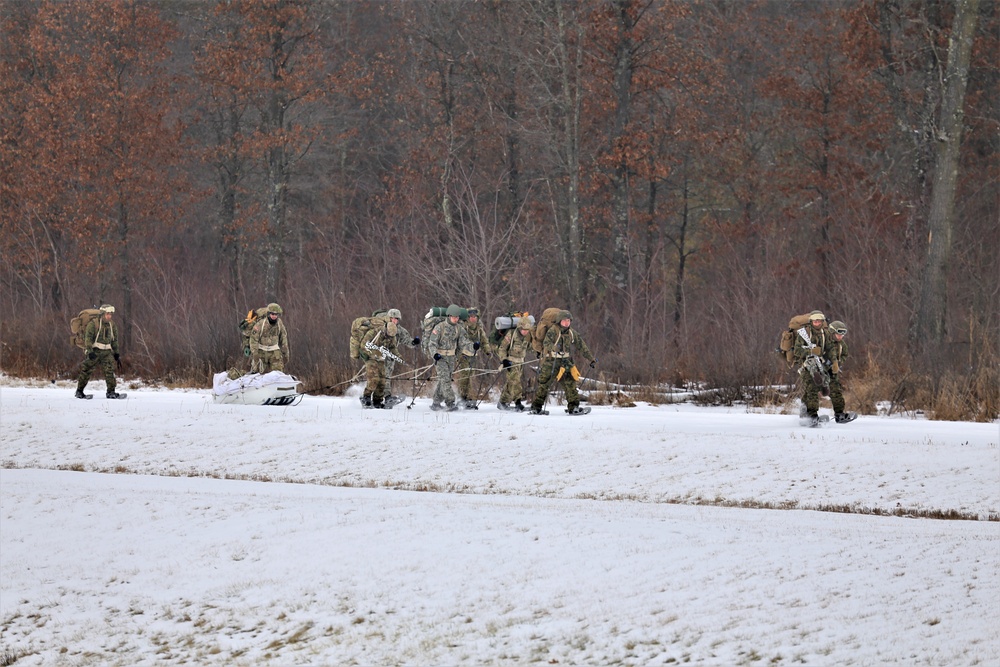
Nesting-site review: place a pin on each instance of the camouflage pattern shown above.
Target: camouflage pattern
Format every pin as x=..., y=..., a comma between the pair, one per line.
x=514, y=345
x=376, y=363
x=265, y=334
x=450, y=340
x=403, y=339
x=463, y=365
x=101, y=332
x=836, y=353
x=823, y=344
x=558, y=348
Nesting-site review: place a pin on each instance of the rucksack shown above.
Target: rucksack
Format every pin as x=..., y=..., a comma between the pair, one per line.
x=360, y=328
x=78, y=326
x=786, y=345
x=549, y=317
x=433, y=317
x=247, y=324
x=504, y=323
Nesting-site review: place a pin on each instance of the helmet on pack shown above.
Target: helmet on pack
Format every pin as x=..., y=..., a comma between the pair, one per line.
x=817, y=315
x=107, y=308
x=839, y=327
x=394, y=312
x=453, y=311
x=274, y=308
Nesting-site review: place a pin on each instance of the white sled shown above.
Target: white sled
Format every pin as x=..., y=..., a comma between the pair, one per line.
x=274, y=388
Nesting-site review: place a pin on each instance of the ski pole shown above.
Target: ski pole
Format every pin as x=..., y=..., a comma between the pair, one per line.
x=496, y=374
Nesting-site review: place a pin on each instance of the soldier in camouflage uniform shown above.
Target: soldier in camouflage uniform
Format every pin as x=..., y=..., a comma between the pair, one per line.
x=463, y=366
x=448, y=339
x=101, y=346
x=403, y=339
x=512, y=349
x=835, y=354
x=269, y=342
x=377, y=346
x=819, y=339
x=560, y=343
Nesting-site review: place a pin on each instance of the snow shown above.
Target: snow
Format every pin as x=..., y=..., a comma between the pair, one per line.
x=168, y=529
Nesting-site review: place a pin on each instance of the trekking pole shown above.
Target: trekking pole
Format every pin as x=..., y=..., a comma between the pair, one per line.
x=417, y=390
x=496, y=374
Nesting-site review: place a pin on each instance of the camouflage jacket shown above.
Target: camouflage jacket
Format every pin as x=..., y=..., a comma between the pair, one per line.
x=375, y=341
x=836, y=353
x=477, y=334
x=404, y=338
x=101, y=335
x=514, y=346
x=562, y=343
x=268, y=337
x=448, y=339
x=820, y=338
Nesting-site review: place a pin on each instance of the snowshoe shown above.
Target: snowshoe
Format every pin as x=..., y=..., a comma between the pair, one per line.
x=115, y=394
x=578, y=411
x=519, y=406
x=469, y=405
x=815, y=422
x=436, y=407
x=393, y=401
x=537, y=411
x=80, y=394
x=504, y=406
x=845, y=417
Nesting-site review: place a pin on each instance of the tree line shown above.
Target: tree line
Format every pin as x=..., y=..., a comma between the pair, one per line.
x=683, y=176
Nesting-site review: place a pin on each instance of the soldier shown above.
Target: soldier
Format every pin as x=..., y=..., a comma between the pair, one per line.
x=448, y=339
x=378, y=347
x=557, y=365
x=101, y=345
x=269, y=342
x=514, y=345
x=835, y=355
x=463, y=366
x=819, y=338
x=403, y=339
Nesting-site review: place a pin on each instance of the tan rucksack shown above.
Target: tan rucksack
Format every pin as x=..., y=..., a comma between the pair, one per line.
x=549, y=317
x=361, y=326
x=78, y=326
x=786, y=346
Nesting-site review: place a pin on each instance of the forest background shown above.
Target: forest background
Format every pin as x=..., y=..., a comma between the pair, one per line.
x=683, y=176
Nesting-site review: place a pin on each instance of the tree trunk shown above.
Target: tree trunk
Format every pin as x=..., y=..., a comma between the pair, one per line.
x=929, y=330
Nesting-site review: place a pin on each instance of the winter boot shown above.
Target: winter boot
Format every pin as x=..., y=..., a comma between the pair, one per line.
x=80, y=394
x=366, y=400
x=113, y=394
x=378, y=404
x=503, y=406
x=435, y=406
x=518, y=405
x=450, y=407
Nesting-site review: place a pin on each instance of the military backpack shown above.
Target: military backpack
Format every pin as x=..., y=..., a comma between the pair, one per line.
x=360, y=328
x=78, y=326
x=786, y=346
x=549, y=317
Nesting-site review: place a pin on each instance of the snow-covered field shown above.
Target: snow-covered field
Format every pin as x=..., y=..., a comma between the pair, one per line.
x=323, y=534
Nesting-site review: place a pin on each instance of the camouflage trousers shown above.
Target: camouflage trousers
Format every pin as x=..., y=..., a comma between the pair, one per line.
x=811, y=394
x=377, y=383
x=547, y=376
x=513, y=390
x=106, y=358
x=266, y=361
x=444, y=392
x=463, y=376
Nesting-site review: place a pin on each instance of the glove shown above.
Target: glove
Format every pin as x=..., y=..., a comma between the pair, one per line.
x=416, y=340
x=505, y=363
x=246, y=351
x=118, y=357
x=835, y=368
x=476, y=346
x=118, y=361
x=91, y=355
x=593, y=364
x=816, y=350
x=437, y=356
